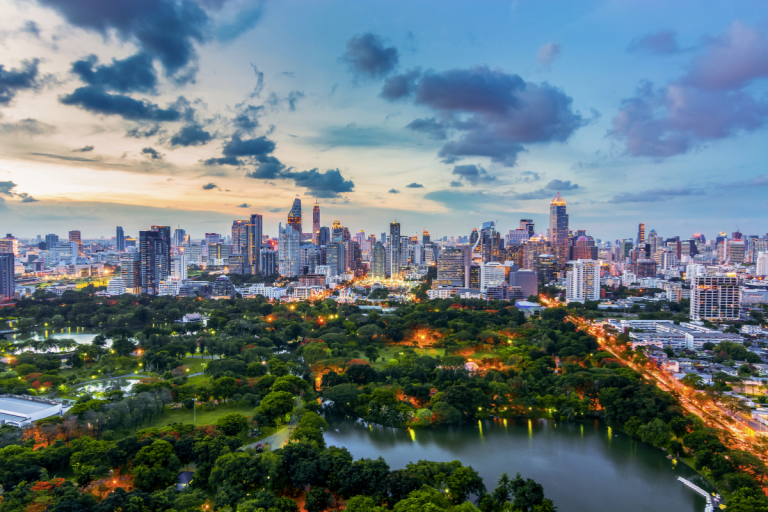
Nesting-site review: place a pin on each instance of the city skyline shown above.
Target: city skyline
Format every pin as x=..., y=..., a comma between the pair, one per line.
x=379, y=118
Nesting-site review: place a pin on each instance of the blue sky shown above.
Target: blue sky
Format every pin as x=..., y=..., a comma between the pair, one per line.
x=438, y=114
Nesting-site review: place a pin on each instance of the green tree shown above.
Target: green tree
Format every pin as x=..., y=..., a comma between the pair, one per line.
x=232, y=424
x=155, y=466
x=275, y=405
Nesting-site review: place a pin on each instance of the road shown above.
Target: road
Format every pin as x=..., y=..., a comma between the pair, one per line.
x=279, y=438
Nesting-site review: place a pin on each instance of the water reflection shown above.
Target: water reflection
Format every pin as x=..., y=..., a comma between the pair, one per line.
x=581, y=469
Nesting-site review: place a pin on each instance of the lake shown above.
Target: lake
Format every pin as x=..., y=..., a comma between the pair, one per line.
x=81, y=335
x=103, y=385
x=584, y=467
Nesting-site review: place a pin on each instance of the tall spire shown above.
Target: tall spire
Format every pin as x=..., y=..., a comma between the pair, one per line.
x=558, y=200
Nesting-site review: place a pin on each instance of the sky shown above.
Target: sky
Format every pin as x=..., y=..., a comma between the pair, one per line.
x=439, y=115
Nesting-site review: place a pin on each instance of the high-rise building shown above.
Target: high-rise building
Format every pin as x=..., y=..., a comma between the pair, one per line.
x=294, y=216
x=288, y=251
x=7, y=279
x=254, y=234
x=179, y=267
x=641, y=234
x=120, y=239
x=736, y=251
x=74, y=236
x=378, y=262
x=715, y=298
x=50, y=241
x=309, y=258
x=583, y=281
x=492, y=274
x=489, y=243
x=558, y=230
x=155, y=259
x=315, y=222
x=546, y=268
x=9, y=244
x=324, y=236
x=761, y=264
x=179, y=236
x=394, y=249
x=527, y=280
x=239, y=237
x=527, y=225
x=583, y=248
x=533, y=247
x=425, y=238
x=336, y=258
x=451, y=267
x=337, y=232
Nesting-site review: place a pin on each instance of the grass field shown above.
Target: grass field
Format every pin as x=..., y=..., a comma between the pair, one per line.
x=388, y=353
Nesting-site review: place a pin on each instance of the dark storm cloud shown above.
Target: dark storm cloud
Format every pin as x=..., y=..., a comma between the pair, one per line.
x=244, y=205
x=164, y=29
x=27, y=127
x=367, y=57
x=191, y=135
x=473, y=174
x=97, y=101
x=84, y=149
x=710, y=101
x=414, y=185
x=430, y=127
x=394, y=191
x=663, y=42
x=654, y=195
x=210, y=186
x=133, y=74
x=496, y=114
x=548, y=191
x=151, y=153
x=14, y=80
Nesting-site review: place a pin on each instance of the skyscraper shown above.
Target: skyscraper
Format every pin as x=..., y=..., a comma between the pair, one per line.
x=527, y=225
x=425, y=238
x=379, y=264
x=546, y=268
x=178, y=237
x=7, y=280
x=294, y=217
x=288, y=251
x=394, y=249
x=74, y=236
x=254, y=234
x=583, y=281
x=715, y=298
x=50, y=241
x=239, y=237
x=641, y=234
x=315, y=221
x=155, y=259
x=558, y=230
x=337, y=232
x=324, y=236
x=120, y=239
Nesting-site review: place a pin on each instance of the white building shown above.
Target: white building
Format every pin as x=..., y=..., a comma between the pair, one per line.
x=715, y=298
x=22, y=410
x=441, y=293
x=170, y=287
x=116, y=286
x=761, y=267
x=288, y=251
x=179, y=267
x=307, y=292
x=270, y=292
x=491, y=274
x=627, y=278
x=583, y=281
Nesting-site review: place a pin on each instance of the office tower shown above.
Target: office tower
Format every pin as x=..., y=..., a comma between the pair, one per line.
x=558, y=230
x=309, y=258
x=218, y=254
x=239, y=237
x=269, y=262
x=546, y=268
x=451, y=267
x=155, y=258
x=294, y=216
x=582, y=282
x=9, y=244
x=516, y=254
x=337, y=232
x=715, y=298
x=120, y=239
x=383, y=238
x=517, y=236
x=360, y=238
x=492, y=274
x=640, y=234
x=378, y=262
x=644, y=268
x=527, y=280
x=425, y=238
x=737, y=235
x=254, y=234
x=179, y=267
x=50, y=241
x=473, y=236
x=288, y=250
x=761, y=264
x=7, y=279
x=736, y=251
x=489, y=243
x=179, y=237
x=336, y=257
x=527, y=225
x=583, y=248
x=531, y=250
x=324, y=236
x=212, y=238
x=315, y=222
x=394, y=249
x=74, y=236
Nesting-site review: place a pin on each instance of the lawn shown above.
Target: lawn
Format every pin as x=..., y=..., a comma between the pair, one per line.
x=202, y=417
x=196, y=365
x=393, y=352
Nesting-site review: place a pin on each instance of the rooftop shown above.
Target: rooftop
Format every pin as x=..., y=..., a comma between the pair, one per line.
x=21, y=406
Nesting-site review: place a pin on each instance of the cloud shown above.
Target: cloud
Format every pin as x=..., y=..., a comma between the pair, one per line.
x=548, y=53
x=757, y=181
x=414, y=185
x=495, y=114
x=275, y=210
x=166, y=30
x=84, y=149
x=654, y=195
x=7, y=189
x=143, y=132
x=210, y=186
x=97, y=101
x=548, y=190
x=528, y=177
x=259, y=82
x=32, y=28
x=26, y=198
x=458, y=200
x=244, y=205
x=292, y=98
x=456, y=184
x=663, y=42
x=400, y=86
x=151, y=153
x=191, y=135
x=66, y=157
x=243, y=22
x=473, y=174
x=329, y=184
x=430, y=126
x=367, y=57
x=133, y=74
x=14, y=80
x=709, y=102
x=247, y=118
x=394, y=191
x=28, y=127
